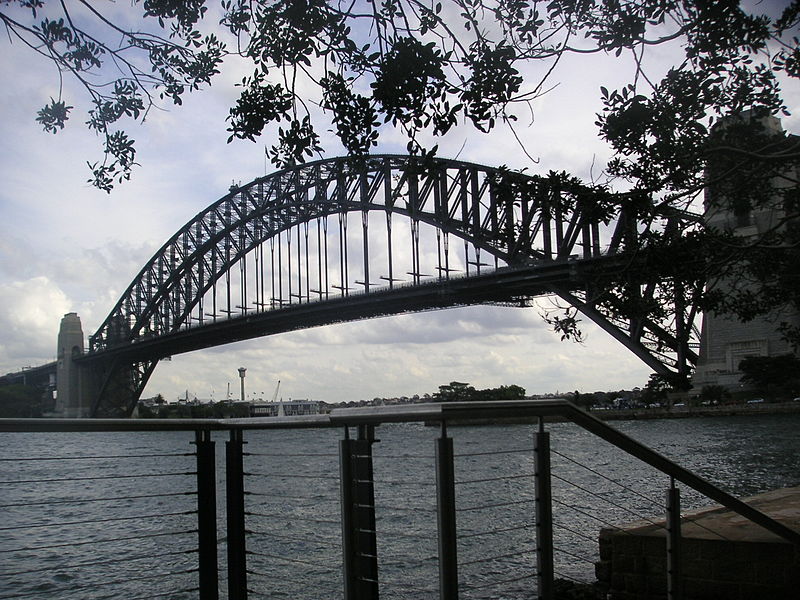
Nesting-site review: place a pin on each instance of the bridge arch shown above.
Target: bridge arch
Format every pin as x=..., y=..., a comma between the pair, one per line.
x=214, y=269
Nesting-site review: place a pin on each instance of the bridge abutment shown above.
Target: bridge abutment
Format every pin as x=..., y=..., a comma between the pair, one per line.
x=71, y=399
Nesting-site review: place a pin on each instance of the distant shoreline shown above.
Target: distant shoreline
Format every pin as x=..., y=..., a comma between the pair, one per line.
x=683, y=412
x=644, y=414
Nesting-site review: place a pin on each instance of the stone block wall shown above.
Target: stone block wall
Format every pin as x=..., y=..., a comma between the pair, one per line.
x=633, y=566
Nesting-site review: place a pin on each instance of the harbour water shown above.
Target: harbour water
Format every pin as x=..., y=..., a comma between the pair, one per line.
x=111, y=515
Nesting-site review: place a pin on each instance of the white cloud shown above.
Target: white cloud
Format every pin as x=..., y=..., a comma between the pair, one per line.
x=31, y=313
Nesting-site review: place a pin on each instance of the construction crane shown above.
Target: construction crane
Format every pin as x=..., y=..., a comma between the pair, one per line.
x=277, y=387
x=275, y=397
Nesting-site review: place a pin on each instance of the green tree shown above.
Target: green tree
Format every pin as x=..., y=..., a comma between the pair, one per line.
x=19, y=400
x=146, y=412
x=772, y=374
x=715, y=393
x=583, y=400
x=509, y=392
x=655, y=392
x=422, y=66
x=455, y=391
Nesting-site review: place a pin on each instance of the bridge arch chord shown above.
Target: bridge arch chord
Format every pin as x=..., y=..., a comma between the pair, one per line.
x=665, y=338
x=515, y=219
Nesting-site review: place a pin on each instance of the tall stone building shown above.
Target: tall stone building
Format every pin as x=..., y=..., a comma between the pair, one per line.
x=68, y=376
x=724, y=340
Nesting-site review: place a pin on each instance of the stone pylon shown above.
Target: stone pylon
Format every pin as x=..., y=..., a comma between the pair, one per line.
x=69, y=399
x=725, y=340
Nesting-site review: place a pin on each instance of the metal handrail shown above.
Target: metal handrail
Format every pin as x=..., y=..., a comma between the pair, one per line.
x=426, y=412
x=84, y=425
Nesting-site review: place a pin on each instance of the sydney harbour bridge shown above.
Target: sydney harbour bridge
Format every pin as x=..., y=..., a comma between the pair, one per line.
x=354, y=238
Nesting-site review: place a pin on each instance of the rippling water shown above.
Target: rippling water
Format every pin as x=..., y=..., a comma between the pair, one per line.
x=112, y=514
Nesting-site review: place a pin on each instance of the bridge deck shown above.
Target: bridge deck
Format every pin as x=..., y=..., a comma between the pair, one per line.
x=504, y=285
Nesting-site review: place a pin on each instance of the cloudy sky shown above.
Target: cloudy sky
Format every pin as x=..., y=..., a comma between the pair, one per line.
x=65, y=246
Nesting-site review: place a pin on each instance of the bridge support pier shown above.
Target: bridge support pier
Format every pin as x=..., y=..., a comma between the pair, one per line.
x=116, y=386
x=71, y=379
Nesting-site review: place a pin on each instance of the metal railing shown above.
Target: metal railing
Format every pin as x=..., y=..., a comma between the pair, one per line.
x=329, y=506
x=129, y=512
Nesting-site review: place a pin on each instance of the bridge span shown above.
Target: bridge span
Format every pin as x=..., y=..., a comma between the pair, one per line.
x=355, y=238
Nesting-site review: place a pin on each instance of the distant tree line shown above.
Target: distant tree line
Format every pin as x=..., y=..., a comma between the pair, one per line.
x=21, y=401
x=455, y=391
x=777, y=376
x=214, y=410
x=601, y=398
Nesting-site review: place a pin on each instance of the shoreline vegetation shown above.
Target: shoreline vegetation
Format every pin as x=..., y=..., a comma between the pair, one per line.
x=681, y=412
x=636, y=404
x=240, y=410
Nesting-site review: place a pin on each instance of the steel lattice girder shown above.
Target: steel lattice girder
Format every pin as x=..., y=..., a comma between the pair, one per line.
x=525, y=222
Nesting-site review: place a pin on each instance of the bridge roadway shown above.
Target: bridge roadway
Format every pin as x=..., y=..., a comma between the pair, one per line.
x=503, y=285
x=39, y=376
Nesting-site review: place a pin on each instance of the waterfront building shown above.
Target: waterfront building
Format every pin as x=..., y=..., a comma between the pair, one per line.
x=289, y=408
x=725, y=340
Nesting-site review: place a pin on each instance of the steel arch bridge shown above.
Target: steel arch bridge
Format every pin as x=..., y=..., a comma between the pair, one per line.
x=353, y=238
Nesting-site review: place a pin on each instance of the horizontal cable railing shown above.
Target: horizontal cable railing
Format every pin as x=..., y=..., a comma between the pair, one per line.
x=292, y=516
x=405, y=505
x=590, y=498
x=495, y=512
x=344, y=505
x=77, y=522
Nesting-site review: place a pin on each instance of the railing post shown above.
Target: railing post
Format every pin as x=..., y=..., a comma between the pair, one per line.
x=446, y=513
x=346, y=493
x=674, y=576
x=544, y=513
x=206, y=516
x=234, y=496
x=359, y=543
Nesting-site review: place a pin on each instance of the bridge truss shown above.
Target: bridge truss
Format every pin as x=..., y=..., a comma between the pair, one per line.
x=348, y=238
